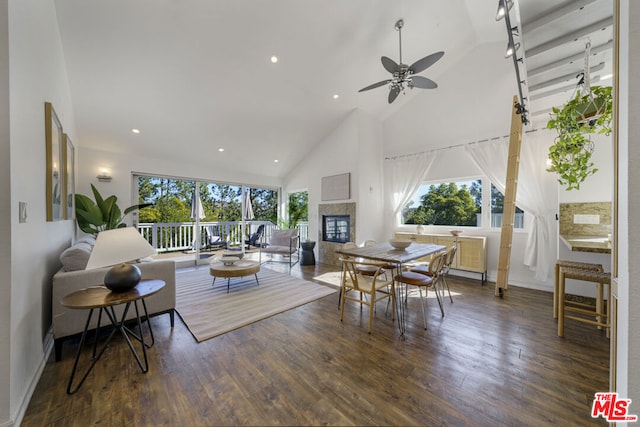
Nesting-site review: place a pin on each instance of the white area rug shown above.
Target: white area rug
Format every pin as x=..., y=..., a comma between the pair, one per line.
x=211, y=311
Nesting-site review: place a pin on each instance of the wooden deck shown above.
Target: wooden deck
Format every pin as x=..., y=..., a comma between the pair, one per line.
x=488, y=362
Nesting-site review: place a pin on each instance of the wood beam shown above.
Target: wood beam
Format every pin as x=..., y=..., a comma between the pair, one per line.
x=509, y=207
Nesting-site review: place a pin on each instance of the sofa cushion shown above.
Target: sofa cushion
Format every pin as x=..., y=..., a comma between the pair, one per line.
x=76, y=257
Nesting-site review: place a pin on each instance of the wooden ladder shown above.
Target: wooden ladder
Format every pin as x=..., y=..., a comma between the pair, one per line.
x=509, y=208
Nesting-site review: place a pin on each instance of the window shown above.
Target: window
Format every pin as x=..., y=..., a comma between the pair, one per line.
x=446, y=203
x=458, y=203
x=497, y=208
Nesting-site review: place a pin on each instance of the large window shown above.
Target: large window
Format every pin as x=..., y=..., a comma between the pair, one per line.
x=446, y=203
x=171, y=200
x=458, y=203
x=497, y=208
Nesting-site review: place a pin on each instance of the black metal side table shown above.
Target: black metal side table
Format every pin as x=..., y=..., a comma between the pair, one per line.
x=101, y=298
x=308, y=257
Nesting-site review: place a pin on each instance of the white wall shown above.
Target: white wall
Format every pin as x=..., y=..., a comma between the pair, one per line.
x=5, y=219
x=37, y=74
x=121, y=165
x=370, y=179
x=355, y=146
x=599, y=186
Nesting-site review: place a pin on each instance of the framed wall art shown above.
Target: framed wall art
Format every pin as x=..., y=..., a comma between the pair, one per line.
x=55, y=173
x=336, y=187
x=69, y=177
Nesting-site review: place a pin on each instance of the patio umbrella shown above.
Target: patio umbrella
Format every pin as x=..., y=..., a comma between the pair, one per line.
x=196, y=207
x=248, y=208
x=196, y=212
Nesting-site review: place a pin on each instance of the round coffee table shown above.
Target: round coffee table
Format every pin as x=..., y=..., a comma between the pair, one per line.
x=240, y=268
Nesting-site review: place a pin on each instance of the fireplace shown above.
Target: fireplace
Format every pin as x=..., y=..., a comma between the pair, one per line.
x=336, y=228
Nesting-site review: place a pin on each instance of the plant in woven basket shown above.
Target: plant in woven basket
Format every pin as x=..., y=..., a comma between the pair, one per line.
x=583, y=115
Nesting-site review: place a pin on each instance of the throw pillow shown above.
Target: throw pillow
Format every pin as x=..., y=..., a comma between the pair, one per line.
x=91, y=240
x=76, y=257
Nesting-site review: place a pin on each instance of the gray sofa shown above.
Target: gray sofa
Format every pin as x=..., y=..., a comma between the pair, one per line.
x=69, y=322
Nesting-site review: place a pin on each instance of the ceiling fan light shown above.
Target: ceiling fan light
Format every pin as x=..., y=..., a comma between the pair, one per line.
x=511, y=49
x=501, y=10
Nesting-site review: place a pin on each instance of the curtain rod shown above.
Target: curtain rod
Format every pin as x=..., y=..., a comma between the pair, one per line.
x=495, y=138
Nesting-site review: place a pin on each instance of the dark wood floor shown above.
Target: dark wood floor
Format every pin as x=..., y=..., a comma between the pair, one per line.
x=488, y=362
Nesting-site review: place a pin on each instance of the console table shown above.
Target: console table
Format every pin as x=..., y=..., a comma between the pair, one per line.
x=471, y=254
x=101, y=298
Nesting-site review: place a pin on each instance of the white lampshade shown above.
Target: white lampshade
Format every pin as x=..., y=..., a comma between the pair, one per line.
x=117, y=246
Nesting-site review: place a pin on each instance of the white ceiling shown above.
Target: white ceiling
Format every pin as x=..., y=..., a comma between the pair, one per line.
x=195, y=75
x=553, y=67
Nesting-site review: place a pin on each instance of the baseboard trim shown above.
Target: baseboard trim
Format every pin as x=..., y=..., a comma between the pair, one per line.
x=24, y=404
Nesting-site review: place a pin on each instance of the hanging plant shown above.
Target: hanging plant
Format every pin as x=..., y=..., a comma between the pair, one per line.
x=583, y=115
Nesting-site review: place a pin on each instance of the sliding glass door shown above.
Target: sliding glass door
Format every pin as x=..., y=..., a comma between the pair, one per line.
x=191, y=221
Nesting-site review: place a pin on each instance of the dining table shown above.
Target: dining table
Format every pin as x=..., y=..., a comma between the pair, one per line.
x=385, y=253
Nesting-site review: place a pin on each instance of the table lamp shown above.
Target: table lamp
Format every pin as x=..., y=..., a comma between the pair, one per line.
x=118, y=248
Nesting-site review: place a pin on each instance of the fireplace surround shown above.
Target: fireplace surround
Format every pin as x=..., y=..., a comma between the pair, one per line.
x=336, y=214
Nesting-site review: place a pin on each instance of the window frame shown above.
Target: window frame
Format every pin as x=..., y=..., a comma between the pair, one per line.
x=485, y=217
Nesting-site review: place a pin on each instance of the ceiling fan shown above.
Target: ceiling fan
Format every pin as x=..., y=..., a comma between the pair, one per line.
x=404, y=74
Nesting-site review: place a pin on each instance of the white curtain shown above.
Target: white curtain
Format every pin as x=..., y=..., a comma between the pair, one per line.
x=404, y=175
x=491, y=157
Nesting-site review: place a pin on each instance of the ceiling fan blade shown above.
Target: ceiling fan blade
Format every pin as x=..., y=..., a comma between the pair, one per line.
x=423, y=82
x=375, y=85
x=426, y=62
x=393, y=94
x=389, y=64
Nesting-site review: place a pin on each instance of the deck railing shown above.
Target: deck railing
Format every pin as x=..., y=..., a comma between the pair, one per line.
x=181, y=236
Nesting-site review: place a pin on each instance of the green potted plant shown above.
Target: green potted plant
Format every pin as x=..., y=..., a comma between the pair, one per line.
x=584, y=114
x=101, y=214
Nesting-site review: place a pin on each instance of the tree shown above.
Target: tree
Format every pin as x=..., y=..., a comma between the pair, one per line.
x=298, y=207
x=265, y=204
x=445, y=204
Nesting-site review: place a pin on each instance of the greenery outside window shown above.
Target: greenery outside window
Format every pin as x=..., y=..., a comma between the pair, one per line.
x=497, y=208
x=446, y=203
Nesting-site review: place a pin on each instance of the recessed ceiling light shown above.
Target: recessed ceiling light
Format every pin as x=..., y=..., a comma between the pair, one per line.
x=275, y=161
x=134, y=130
x=274, y=59
x=221, y=149
x=336, y=96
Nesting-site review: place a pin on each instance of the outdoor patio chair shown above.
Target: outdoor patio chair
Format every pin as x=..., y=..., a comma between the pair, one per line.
x=254, y=239
x=213, y=238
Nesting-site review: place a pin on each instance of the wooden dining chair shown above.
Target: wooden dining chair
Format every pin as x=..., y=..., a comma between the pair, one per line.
x=411, y=278
x=354, y=282
x=450, y=255
x=368, y=270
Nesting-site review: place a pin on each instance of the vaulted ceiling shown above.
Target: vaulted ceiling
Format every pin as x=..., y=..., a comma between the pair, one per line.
x=195, y=76
x=554, y=36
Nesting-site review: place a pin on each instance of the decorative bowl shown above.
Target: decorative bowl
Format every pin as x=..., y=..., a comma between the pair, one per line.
x=399, y=243
x=455, y=232
x=229, y=260
x=235, y=254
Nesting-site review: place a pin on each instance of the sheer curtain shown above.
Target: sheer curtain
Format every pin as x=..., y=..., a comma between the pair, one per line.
x=403, y=178
x=491, y=157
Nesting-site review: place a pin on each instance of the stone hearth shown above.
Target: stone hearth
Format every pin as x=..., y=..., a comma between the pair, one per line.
x=326, y=250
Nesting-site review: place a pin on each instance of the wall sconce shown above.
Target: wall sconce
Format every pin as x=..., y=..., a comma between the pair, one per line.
x=104, y=175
